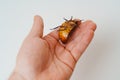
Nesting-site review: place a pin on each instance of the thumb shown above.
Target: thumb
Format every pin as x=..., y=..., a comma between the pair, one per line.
x=37, y=28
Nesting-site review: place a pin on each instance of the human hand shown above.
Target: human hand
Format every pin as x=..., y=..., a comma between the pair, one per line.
x=44, y=58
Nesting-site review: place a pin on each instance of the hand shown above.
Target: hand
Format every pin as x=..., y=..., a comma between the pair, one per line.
x=44, y=58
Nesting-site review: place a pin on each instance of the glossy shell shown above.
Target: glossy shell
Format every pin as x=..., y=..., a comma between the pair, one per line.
x=66, y=28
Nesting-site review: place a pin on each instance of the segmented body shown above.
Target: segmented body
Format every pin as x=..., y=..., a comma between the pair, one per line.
x=65, y=29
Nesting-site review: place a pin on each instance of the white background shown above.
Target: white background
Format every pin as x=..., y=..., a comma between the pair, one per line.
x=101, y=60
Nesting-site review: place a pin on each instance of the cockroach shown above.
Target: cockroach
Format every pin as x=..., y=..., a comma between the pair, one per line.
x=66, y=29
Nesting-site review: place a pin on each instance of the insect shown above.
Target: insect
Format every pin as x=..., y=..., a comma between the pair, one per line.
x=66, y=29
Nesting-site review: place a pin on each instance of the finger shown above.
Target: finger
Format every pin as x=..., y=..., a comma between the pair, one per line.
x=79, y=32
x=82, y=45
x=81, y=29
x=81, y=39
x=37, y=28
x=52, y=39
x=54, y=34
x=90, y=24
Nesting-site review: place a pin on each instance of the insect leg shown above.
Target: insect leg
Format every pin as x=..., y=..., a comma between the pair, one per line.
x=65, y=19
x=55, y=28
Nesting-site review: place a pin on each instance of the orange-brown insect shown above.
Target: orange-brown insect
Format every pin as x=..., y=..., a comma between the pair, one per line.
x=66, y=29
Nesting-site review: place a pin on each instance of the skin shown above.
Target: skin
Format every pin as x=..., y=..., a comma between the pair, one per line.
x=45, y=58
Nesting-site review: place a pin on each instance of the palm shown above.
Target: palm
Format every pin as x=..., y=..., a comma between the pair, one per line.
x=47, y=56
x=60, y=60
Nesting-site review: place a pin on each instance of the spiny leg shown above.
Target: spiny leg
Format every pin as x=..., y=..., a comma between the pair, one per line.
x=55, y=28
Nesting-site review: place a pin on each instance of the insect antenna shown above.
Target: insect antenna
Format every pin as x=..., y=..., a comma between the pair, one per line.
x=71, y=18
x=65, y=19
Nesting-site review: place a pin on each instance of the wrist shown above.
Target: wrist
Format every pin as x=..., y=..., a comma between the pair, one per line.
x=16, y=76
x=22, y=74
